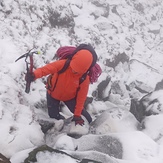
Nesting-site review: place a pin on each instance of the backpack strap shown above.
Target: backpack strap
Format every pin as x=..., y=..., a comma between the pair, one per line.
x=65, y=66
x=83, y=77
x=81, y=80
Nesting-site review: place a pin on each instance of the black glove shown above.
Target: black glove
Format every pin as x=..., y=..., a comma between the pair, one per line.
x=78, y=120
x=30, y=77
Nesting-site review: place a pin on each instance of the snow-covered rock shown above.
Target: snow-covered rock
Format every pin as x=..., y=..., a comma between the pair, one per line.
x=114, y=120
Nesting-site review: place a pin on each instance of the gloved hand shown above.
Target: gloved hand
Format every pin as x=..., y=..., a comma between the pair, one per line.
x=78, y=120
x=30, y=77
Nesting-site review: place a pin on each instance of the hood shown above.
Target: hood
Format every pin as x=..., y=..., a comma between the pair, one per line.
x=81, y=61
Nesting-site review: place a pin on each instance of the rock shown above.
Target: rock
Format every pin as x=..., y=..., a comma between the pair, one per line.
x=33, y=155
x=150, y=104
x=45, y=125
x=143, y=80
x=137, y=109
x=93, y=155
x=101, y=88
x=159, y=85
x=121, y=57
x=88, y=101
x=88, y=161
x=101, y=143
x=114, y=120
x=3, y=159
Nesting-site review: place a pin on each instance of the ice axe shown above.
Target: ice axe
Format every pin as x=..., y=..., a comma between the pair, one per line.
x=29, y=66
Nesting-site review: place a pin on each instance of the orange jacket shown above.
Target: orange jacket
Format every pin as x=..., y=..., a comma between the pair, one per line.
x=68, y=81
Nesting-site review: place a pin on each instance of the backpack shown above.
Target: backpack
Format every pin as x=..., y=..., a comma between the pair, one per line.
x=67, y=52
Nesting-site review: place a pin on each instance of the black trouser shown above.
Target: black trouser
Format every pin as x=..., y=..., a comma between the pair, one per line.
x=54, y=108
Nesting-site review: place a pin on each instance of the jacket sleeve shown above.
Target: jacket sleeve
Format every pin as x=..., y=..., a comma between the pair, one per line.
x=81, y=97
x=50, y=68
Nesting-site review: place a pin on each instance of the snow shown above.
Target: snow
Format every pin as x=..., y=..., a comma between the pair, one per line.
x=78, y=129
x=145, y=150
x=25, y=28
x=48, y=157
x=115, y=120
